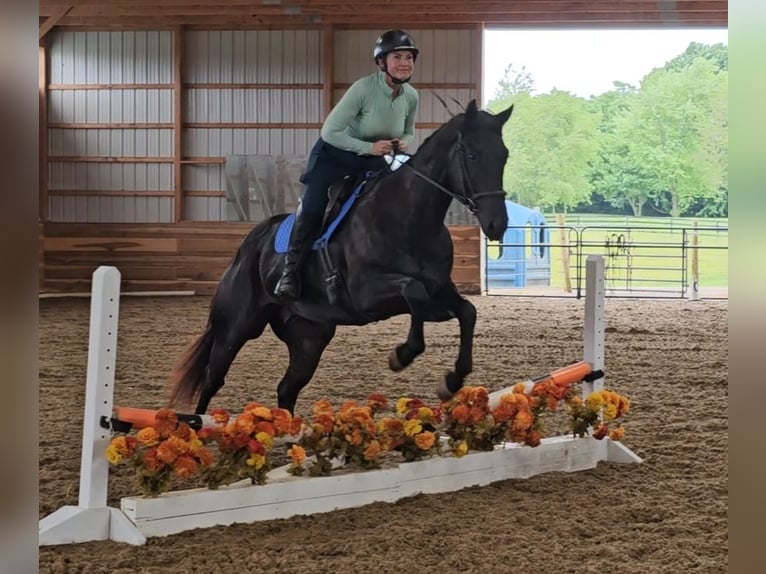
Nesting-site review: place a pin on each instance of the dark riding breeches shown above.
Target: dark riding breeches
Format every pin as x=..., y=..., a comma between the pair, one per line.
x=328, y=164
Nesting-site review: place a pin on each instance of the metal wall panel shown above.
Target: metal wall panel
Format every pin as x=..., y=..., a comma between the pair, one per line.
x=115, y=106
x=205, y=209
x=110, y=176
x=108, y=209
x=111, y=142
x=111, y=57
x=253, y=56
x=262, y=56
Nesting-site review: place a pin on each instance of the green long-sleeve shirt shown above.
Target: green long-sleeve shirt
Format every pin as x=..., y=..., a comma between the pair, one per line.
x=366, y=113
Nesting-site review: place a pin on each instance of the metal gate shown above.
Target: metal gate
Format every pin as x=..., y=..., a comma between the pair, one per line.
x=649, y=261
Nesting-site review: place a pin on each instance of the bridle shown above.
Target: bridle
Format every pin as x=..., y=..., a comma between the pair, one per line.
x=468, y=201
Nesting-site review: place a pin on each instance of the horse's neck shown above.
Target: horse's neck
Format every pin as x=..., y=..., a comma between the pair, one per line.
x=419, y=195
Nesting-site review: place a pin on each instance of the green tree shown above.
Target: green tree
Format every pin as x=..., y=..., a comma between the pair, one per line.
x=666, y=144
x=717, y=54
x=551, y=141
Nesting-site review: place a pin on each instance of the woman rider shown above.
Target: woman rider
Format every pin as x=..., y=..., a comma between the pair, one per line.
x=375, y=115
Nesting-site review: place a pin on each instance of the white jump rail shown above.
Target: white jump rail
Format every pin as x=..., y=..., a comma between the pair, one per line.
x=286, y=495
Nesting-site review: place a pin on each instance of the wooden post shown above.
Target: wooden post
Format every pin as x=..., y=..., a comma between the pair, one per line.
x=564, y=252
x=694, y=293
x=328, y=68
x=178, y=127
x=42, y=89
x=479, y=63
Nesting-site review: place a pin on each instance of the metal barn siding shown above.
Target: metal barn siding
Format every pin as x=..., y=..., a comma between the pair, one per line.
x=279, y=62
x=101, y=58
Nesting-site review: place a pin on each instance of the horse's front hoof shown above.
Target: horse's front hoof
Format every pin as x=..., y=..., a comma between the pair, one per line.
x=443, y=392
x=393, y=362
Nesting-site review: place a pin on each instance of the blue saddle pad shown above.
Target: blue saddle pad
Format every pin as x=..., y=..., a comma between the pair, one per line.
x=282, y=237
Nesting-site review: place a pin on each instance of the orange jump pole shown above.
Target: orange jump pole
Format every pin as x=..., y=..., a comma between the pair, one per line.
x=126, y=418
x=574, y=373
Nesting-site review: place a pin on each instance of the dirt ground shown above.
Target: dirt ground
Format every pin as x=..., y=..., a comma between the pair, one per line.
x=667, y=515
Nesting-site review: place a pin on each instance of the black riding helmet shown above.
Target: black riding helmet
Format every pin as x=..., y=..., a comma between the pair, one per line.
x=392, y=41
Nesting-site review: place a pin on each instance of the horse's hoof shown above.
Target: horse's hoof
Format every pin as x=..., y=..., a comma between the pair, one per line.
x=443, y=392
x=393, y=362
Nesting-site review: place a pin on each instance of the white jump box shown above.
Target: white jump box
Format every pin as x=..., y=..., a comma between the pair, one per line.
x=286, y=495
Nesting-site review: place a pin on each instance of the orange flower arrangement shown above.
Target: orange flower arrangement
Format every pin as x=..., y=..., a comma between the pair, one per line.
x=469, y=424
x=515, y=419
x=245, y=443
x=349, y=434
x=168, y=449
x=413, y=431
x=241, y=447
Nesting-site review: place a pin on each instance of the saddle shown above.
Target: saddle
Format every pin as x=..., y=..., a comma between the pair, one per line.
x=341, y=196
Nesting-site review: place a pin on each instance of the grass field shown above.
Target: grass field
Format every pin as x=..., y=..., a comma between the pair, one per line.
x=652, y=253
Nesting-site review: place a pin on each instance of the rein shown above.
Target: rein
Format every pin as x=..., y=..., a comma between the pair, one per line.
x=468, y=202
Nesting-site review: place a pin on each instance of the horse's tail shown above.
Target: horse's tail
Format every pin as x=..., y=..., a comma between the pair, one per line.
x=188, y=375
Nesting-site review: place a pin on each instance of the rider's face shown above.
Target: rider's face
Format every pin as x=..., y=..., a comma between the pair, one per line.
x=400, y=64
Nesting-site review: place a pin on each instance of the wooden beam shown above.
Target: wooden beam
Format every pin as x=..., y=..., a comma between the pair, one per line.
x=478, y=65
x=42, y=92
x=328, y=68
x=107, y=159
x=111, y=192
x=111, y=126
x=178, y=123
x=250, y=86
x=53, y=87
x=53, y=19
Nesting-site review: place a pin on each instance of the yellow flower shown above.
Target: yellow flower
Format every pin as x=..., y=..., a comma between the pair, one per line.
x=610, y=411
x=617, y=434
x=425, y=414
x=195, y=445
x=412, y=427
x=401, y=405
x=460, y=449
x=595, y=400
x=113, y=454
x=265, y=438
x=256, y=460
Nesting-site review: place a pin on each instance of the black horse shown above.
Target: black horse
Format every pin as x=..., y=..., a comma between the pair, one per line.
x=393, y=254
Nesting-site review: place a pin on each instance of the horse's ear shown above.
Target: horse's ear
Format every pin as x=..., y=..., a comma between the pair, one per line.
x=503, y=116
x=471, y=109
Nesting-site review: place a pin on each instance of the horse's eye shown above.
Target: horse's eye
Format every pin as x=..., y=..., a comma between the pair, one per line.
x=471, y=156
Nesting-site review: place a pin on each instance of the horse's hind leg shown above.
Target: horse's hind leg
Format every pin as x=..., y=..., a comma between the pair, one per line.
x=227, y=343
x=306, y=341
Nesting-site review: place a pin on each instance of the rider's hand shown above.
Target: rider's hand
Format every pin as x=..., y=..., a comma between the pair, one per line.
x=401, y=145
x=382, y=147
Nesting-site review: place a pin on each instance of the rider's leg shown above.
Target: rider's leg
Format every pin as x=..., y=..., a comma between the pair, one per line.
x=308, y=219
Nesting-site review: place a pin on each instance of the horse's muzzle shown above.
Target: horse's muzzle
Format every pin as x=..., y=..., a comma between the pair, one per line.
x=493, y=217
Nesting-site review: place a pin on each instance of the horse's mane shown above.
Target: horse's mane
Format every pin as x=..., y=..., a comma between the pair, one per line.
x=446, y=128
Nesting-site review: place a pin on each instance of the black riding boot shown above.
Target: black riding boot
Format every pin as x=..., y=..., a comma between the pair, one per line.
x=303, y=233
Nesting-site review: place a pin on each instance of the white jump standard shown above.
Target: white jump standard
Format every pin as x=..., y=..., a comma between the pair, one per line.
x=286, y=495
